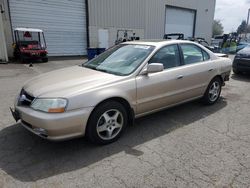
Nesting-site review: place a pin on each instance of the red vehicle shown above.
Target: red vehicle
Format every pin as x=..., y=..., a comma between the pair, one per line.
x=30, y=45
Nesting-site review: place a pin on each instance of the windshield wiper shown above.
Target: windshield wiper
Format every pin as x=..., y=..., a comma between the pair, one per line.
x=102, y=70
x=89, y=67
x=109, y=72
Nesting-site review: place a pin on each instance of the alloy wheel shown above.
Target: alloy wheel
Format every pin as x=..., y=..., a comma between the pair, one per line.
x=214, y=91
x=110, y=124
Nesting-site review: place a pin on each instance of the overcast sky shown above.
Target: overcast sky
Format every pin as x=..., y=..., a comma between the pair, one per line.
x=231, y=13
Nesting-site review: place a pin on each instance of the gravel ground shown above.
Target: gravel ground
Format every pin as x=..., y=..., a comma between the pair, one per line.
x=191, y=145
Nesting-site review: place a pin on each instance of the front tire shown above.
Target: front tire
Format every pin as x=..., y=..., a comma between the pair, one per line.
x=213, y=91
x=45, y=59
x=107, y=123
x=236, y=71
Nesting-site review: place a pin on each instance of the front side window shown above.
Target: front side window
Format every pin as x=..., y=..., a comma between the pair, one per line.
x=191, y=53
x=120, y=60
x=168, y=56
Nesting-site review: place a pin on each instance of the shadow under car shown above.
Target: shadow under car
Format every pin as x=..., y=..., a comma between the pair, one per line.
x=27, y=157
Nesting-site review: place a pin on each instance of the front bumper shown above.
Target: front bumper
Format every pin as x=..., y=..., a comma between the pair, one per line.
x=242, y=64
x=54, y=126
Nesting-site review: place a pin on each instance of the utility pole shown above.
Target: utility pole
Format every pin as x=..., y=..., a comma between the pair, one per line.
x=247, y=22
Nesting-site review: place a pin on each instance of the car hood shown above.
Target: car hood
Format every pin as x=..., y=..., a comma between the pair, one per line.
x=68, y=81
x=244, y=51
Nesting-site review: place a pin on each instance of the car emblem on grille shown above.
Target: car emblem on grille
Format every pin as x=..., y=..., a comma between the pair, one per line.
x=24, y=98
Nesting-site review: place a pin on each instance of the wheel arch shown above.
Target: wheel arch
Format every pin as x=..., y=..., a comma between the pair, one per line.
x=216, y=76
x=124, y=102
x=220, y=77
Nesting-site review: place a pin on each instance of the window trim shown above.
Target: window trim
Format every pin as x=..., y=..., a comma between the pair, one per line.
x=179, y=53
x=202, y=50
x=209, y=57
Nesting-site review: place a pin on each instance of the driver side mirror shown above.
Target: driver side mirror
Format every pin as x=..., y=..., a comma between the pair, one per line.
x=152, y=68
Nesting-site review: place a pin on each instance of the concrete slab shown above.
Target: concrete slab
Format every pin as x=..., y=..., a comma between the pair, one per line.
x=187, y=146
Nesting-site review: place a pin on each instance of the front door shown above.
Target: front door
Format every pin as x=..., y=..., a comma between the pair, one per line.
x=157, y=90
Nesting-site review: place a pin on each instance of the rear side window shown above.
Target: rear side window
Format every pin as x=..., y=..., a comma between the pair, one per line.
x=193, y=54
x=168, y=56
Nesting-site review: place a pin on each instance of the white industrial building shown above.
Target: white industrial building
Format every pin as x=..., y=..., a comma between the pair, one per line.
x=71, y=26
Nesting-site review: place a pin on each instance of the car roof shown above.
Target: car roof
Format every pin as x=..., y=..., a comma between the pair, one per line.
x=28, y=29
x=159, y=42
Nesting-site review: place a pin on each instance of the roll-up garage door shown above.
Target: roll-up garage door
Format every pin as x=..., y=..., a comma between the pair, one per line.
x=63, y=22
x=180, y=20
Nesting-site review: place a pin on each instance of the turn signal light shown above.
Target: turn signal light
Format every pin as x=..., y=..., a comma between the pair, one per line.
x=56, y=110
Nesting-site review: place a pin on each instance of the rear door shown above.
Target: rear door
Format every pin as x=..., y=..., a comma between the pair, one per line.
x=198, y=70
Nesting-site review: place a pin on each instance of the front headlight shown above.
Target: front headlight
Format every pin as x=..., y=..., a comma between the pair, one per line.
x=50, y=105
x=238, y=55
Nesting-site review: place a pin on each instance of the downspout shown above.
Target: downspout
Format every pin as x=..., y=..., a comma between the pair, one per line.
x=87, y=21
x=3, y=47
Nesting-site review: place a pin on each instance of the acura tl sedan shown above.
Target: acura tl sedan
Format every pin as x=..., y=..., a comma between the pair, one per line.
x=101, y=97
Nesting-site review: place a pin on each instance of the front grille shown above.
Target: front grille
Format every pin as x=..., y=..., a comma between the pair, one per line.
x=25, y=99
x=244, y=64
x=246, y=56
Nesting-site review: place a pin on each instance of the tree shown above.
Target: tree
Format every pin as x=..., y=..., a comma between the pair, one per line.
x=218, y=28
x=243, y=27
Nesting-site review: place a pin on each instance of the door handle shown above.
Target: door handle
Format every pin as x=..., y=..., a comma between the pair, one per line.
x=210, y=70
x=180, y=77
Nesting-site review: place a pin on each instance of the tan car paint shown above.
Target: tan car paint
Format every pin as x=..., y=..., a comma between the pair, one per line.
x=85, y=88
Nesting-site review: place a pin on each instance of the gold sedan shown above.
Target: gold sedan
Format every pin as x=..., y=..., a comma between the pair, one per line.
x=102, y=96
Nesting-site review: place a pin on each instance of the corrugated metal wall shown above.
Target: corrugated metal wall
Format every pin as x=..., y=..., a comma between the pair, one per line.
x=149, y=15
x=117, y=13
x=64, y=23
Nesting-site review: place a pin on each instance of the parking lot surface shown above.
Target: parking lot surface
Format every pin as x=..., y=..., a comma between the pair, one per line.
x=191, y=145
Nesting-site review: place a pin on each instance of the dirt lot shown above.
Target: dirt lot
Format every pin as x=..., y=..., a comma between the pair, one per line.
x=191, y=145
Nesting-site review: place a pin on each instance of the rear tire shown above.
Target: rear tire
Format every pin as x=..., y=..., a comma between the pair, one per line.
x=22, y=59
x=213, y=91
x=45, y=60
x=15, y=56
x=107, y=123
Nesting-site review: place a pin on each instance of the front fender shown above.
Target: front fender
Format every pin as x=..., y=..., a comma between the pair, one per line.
x=125, y=89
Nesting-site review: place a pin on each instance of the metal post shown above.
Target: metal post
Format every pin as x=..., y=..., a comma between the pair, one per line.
x=247, y=22
x=3, y=49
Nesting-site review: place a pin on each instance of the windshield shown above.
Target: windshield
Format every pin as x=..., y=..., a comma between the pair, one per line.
x=120, y=60
x=30, y=40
